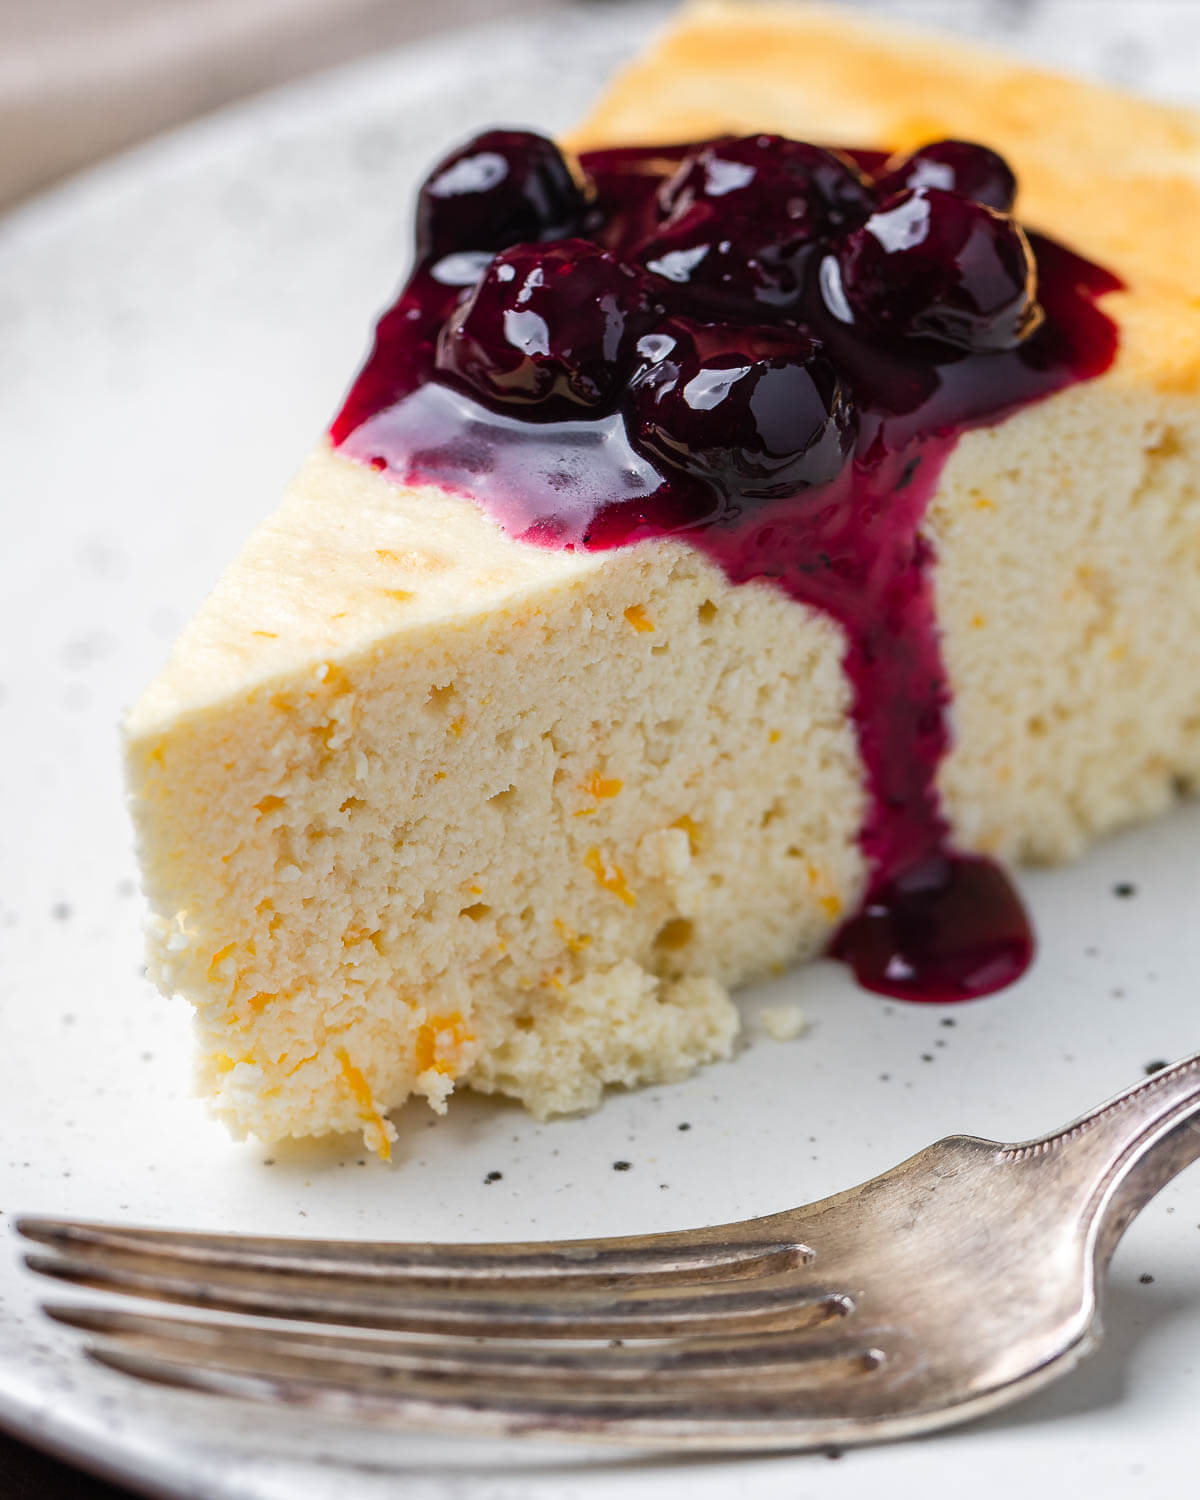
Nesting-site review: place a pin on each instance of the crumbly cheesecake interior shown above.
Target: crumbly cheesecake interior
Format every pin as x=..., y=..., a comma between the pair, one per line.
x=491, y=812
x=419, y=804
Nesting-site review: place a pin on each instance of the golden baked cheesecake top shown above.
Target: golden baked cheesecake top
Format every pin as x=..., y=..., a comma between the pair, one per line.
x=1114, y=175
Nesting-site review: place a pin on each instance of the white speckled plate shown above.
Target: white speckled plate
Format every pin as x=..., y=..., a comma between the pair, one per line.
x=173, y=330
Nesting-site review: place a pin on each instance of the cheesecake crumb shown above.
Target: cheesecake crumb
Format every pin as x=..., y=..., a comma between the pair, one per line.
x=783, y=1023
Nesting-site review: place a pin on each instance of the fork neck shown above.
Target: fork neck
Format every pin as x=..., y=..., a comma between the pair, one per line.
x=1112, y=1161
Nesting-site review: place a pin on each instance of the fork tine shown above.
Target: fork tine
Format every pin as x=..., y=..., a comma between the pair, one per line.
x=759, y=1416
x=790, y=1357
x=770, y=1303
x=729, y=1252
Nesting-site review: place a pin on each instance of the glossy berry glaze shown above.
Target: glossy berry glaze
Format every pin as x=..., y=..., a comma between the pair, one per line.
x=769, y=350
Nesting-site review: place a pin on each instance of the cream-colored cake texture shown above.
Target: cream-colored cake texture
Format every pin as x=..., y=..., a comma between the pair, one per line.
x=421, y=806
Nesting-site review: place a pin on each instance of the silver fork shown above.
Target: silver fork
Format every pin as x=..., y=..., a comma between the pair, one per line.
x=961, y=1280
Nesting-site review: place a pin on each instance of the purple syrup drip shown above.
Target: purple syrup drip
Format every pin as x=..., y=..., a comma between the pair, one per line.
x=935, y=925
x=950, y=928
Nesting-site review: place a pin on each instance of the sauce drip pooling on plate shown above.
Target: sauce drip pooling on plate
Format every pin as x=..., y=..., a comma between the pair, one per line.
x=768, y=349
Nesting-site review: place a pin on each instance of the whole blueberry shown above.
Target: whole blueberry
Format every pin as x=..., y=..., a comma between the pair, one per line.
x=758, y=412
x=931, y=265
x=961, y=167
x=741, y=216
x=501, y=188
x=812, y=189
x=550, y=328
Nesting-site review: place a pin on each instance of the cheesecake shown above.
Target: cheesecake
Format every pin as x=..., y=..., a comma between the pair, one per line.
x=755, y=523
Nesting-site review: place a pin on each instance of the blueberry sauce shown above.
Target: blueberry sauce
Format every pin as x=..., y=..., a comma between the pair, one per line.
x=768, y=349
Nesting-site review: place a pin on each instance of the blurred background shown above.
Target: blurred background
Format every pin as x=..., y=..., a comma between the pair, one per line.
x=80, y=79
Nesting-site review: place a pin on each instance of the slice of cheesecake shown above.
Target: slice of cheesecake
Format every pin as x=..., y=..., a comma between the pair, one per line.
x=421, y=801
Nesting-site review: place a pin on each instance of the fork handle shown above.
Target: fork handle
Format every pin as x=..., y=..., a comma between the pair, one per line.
x=1112, y=1161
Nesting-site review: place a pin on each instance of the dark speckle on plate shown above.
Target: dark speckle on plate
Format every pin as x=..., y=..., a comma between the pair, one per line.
x=1124, y=889
x=1154, y=1067
x=622, y=1166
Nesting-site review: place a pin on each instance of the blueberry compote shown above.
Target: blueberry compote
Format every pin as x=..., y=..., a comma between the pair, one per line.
x=768, y=349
